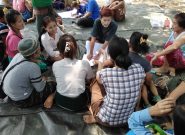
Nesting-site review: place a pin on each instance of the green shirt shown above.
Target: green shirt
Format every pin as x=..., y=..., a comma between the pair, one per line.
x=41, y=3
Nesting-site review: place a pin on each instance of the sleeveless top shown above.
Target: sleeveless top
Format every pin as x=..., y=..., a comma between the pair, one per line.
x=176, y=58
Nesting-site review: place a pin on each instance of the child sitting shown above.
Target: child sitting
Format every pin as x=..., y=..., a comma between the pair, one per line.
x=29, y=6
x=21, y=6
x=79, y=9
x=16, y=24
x=49, y=38
x=139, y=46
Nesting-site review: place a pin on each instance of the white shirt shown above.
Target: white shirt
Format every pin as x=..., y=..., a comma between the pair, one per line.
x=50, y=44
x=71, y=75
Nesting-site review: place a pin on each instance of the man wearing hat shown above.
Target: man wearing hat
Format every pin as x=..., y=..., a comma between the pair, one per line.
x=24, y=84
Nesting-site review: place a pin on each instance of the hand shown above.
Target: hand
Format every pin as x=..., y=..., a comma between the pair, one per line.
x=89, y=56
x=153, y=58
x=162, y=107
x=59, y=20
x=30, y=20
x=101, y=51
x=97, y=56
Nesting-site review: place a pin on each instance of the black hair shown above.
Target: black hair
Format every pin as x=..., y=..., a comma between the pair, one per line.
x=74, y=4
x=118, y=50
x=138, y=42
x=179, y=120
x=61, y=45
x=1, y=13
x=180, y=17
x=11, y=17
x=46, y=20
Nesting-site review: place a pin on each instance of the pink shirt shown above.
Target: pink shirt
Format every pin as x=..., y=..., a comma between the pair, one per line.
x=12, y=41
x=19, y=5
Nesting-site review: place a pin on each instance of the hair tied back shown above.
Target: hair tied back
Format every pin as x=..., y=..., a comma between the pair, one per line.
x=142, y=40
x=67, y=47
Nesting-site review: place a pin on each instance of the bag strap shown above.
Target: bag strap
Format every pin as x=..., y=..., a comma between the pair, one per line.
x=171, y=35
x=10, y=69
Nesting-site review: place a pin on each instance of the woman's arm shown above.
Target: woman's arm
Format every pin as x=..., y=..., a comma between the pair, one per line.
x=92, y=42
x=178, y=91
x=56, y=58
x=176, y=45
x=105, y=44
x=87, y=14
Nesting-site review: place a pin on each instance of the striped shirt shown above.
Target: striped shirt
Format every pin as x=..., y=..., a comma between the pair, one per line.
x=22, y=79
x=122, y=91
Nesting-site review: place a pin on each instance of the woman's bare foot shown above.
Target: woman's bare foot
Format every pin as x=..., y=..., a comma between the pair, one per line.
x=172, y=71
x=89, y=119
x=161, y=70
x=49, y=101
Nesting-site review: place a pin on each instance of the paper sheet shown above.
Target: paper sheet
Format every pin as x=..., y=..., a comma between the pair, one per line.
x=67, y=14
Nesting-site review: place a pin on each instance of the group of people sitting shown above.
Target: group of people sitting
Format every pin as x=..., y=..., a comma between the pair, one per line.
x=122, y=77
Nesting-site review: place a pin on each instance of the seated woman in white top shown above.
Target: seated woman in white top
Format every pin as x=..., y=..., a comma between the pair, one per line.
x=49, y=38
x=71, y=76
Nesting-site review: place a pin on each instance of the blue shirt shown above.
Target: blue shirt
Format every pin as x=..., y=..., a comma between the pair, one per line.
x=93, y=8
x=138, y=120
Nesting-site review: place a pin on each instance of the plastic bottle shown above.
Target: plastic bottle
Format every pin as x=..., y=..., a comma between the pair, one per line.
x=167, y=23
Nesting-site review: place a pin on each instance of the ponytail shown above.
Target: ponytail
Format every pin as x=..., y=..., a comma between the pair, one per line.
x=118, y=50
x=138, y=42
x=123, y=61
x=67, y=46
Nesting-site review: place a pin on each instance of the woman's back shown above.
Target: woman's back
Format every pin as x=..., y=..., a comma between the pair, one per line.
x=71, y=75
x=122, y=91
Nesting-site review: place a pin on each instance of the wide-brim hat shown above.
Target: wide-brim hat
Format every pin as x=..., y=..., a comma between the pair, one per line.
x=28, y=46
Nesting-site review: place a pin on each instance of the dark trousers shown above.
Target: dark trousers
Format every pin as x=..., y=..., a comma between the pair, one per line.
x=36, y=98
x=75, y=104
x=85, y=22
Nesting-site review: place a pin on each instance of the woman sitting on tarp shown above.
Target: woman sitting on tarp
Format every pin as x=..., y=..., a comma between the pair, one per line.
x=103, y=30
x=49, y=39
x=117, y=90
x=71, y=77
x=23, y=83
x=16, y=24
x=174, y=53
x=174, y=48
x=78, y=9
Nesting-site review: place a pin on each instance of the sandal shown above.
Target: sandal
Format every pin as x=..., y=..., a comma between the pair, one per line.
x=162, y=82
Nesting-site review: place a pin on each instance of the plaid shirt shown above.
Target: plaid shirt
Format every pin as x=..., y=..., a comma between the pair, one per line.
x=122, y=91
